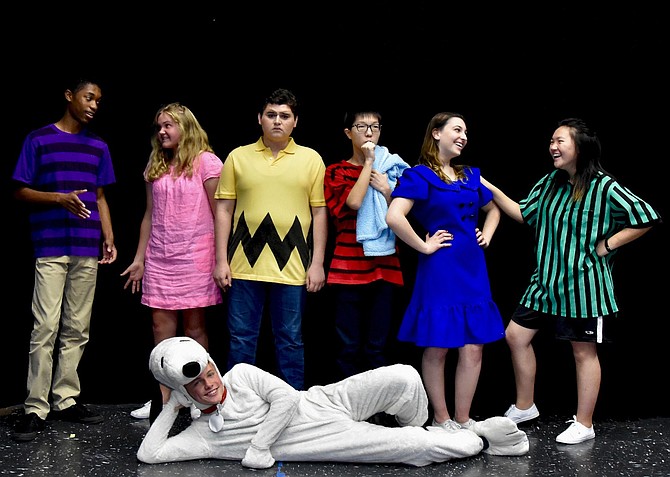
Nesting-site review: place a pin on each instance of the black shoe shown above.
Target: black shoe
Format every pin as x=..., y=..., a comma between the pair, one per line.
x=156, y=404
x=156, y=408
x=77, y=413
x=27, y=426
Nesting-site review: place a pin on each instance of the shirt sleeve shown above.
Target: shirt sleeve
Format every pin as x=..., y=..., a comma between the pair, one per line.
x=337, y=186
x=210, y=166
x=26, y=166
x=106, y=169
x=628, y=209
x=485, y=195
x=226, y=187
x=411, y=185
x=530, y=205
x=316, y=194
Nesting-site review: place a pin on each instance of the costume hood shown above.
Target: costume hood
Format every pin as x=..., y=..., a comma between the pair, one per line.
x=177, y=361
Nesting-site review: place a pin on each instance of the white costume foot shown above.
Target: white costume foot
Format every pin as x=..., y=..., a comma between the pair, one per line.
x=503, y=436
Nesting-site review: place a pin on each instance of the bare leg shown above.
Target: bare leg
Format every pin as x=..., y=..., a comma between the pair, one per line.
x=164, y=326
x=432, y=369
x=523, y=360
x=195, y=325
x=588, y=380
x=467, y=376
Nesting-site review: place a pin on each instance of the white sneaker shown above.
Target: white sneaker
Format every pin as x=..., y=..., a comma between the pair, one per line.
x=522, y=415
x=142, y=412
x=467, y=424
x=576, y=433
x=503, y=436
x=448, y=425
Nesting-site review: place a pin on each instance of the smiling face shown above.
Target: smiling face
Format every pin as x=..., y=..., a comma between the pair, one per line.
x=563, y=150
x=452, y=138
x=169, y=133
x=207, y=388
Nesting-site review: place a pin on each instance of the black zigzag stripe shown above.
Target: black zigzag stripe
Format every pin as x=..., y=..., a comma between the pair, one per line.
x=267, y=234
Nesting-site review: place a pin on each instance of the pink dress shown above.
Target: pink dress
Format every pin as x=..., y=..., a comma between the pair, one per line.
x=180, y=255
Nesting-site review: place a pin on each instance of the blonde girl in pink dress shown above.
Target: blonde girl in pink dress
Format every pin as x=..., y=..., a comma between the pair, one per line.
x=175, y=255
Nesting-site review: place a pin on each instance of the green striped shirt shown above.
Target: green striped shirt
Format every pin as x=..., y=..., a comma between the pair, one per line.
x=570, y=279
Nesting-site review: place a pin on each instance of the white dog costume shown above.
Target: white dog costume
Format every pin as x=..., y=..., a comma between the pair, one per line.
x=262, y=418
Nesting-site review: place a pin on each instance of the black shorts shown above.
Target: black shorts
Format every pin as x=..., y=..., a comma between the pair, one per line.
x=600, y=329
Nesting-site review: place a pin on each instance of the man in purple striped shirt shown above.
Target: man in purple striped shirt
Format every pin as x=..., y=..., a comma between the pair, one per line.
x=61, y=173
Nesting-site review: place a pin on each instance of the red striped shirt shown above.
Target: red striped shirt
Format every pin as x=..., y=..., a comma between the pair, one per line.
x=349, y=265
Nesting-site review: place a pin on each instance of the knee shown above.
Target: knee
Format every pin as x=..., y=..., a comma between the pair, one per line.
x=405, y=372
x=199, y=334
x=514, y=340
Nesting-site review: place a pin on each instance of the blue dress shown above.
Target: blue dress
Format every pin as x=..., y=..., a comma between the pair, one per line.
x=451, y=302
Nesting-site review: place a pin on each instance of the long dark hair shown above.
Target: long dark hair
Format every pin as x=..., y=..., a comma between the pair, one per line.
x=430, y=152
x=589, y=152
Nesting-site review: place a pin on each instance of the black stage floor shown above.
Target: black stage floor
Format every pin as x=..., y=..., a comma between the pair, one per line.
x=621, y=448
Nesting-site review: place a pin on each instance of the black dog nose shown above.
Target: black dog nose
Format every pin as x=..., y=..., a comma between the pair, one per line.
x=191, y=370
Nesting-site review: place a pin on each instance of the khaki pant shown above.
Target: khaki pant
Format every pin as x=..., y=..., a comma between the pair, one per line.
x=62, y=301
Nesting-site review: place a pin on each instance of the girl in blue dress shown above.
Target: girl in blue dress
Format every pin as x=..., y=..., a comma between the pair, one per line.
x=451, y=304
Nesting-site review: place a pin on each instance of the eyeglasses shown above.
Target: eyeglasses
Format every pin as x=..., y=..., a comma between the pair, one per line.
x=363, y=128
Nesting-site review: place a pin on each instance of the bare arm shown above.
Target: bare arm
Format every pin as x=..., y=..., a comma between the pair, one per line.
x=69, y=201
x=109, y=252
x=135, y=270
x=491, y=222
x=223, y=224
x=396, y=218
x=210, y=188
x=358, y=191
x=507, y=205
x=316, y=275
x=380, y=182
x=619, y=239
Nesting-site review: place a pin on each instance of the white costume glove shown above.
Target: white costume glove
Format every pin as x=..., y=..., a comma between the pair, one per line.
x=502, y=435
x=178, y=400
x=258, y=458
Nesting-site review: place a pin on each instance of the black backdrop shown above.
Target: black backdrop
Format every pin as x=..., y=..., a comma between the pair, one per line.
x=513, y=71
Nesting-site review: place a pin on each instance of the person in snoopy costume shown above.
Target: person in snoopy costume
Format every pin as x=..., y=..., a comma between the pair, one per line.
x=251, y=415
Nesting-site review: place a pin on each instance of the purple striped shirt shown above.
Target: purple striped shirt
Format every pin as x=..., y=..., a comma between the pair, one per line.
x=55, y=161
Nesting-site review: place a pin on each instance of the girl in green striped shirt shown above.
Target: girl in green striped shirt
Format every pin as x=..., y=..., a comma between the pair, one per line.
x=581, y=215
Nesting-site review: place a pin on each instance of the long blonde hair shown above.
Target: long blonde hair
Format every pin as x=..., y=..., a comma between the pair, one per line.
x=430, y=152
x=192, y=143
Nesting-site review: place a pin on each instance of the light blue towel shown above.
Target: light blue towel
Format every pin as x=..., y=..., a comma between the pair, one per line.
x=371, y=228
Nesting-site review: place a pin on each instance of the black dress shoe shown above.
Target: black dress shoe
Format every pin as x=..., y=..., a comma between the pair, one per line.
x=27, y=426
x=77, y=413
